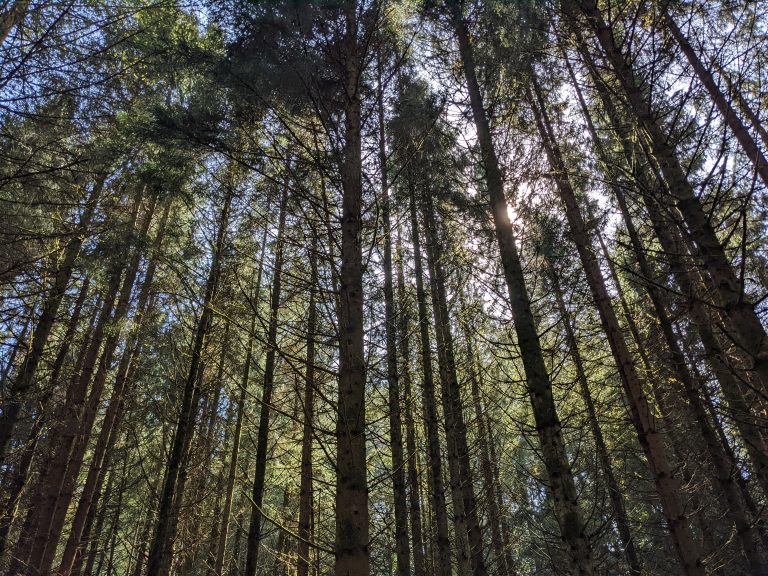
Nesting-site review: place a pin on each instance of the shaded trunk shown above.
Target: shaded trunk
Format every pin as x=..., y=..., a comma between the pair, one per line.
x=733, y=388
x=744, y=324
x=306, y=495
x=667, y=484
x=26, y=376
x=352, y=530
x=221, y=546
x=99, y=526
x=442, y=546
x=75, y=431
x=462, y=484
x=114, y=414
x=725, y=466
x=730, y=116
x=161, y=549
x=257, y=496
x=562, y=487
x=21, y=472
x=35, y=534
x=414, y=499
x=486, y=465
x=402, y=550
x=614, y=490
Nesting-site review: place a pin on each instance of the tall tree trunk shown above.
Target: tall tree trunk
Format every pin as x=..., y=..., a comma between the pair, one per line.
x=489, y=488
x=352, y=530
x=725, y=465
x=442, y=547
x=744, y=325
x=262, y=442
x=414, y=499
x=161, y=549
x=221, y=546
x=21, y=343
x=99, y=526
x=667, y=484
x=114, y=414
x=453, y=409
x=614, y=490
x=730, y=116
x=402, y=550
x=306, y=495
x=506, y=533
x=22, y=469
x=685, y=276
x=35, y=534
x=26, y=376
x=75, y=431
x=561, y=485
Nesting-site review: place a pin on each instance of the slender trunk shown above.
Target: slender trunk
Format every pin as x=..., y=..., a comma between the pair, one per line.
x=21, y=343
x=453, y=409
x=303, y=558
x=26, y=376
x=743, y=104
x=745, y=326
x=76, y=429
x=672, y=245
x=562, y=487
x=115, y=526
x=113, y=417
x=614, y=490
x=63, y=438
x=352, y=530
x=725, y=465
x=442, y=547
x=161, y=549
x=414, y=500
x=489, y=488
x=667, y=484
x=254, y=532
x=21, y=473
x=506, y=533
x=144, y=539
x=730, y=116
x=402, y=550
x=99, y=526
x=221, y=546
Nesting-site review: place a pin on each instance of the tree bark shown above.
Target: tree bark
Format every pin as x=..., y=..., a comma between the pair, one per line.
x=462, y=484
x=486, y=465
x=667, y=484
x=442, y=547
x=257, y=496
x=161, y=549
x=414, y=499
x=221, y=546
x=736, y=395
x=306, y=494
x=402, y=551
x=26, y=376
x=725, y=466
x=745, y=326
x=75, y=431
x=113, y=417
x=561, y=482
x=352, y=530
x=730, y=116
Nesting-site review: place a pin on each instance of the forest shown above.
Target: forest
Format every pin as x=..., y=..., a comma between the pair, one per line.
x=383, y=287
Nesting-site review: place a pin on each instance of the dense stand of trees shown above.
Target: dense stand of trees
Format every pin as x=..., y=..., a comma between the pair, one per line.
x=470, y=287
